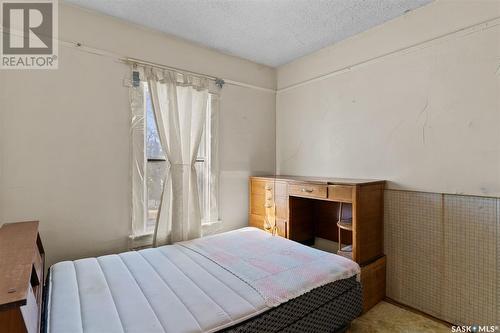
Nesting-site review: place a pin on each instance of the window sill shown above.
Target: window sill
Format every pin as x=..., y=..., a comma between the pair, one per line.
x=137, y=242
x=145, y=239
x=210, y=228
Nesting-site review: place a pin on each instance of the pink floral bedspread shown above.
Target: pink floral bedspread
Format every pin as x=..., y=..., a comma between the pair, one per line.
x=277, y=268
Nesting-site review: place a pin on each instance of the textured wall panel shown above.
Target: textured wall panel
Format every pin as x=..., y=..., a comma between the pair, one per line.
x=413, y=234
x=442, y=255
x=470, y=225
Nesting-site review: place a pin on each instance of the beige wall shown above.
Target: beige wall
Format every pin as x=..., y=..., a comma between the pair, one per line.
x=404, y=105
x=65, y=140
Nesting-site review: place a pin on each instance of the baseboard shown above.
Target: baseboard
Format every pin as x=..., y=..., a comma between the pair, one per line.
x=409, y=308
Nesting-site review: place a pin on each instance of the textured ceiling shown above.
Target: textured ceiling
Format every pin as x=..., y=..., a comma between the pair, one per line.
x=270, y=32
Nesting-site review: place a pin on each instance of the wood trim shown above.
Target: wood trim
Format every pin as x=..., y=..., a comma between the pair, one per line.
x=368, y=223
x=355, y=237
x=411, y=309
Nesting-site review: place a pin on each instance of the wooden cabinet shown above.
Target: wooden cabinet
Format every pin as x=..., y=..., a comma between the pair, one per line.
x=373, y=281
x=268, y=205
x=303, y=208
x=21, y=277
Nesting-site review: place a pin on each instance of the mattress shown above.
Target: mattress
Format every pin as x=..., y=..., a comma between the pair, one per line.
x=177, y=288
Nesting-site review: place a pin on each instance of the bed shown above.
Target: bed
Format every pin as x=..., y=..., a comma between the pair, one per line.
x=240, y=281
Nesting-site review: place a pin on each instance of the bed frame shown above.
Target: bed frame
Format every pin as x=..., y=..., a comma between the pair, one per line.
x=329, y=308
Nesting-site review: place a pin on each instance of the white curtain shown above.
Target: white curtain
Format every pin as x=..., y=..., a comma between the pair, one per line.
x=179, y=104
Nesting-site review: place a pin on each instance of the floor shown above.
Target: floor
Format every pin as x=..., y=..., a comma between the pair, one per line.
x=388, y=318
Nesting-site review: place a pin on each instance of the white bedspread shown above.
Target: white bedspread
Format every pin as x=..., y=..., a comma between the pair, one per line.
x=274, y=266
x=186, y=287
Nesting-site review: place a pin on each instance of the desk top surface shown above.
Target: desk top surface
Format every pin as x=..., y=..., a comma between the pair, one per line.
x=321, y=180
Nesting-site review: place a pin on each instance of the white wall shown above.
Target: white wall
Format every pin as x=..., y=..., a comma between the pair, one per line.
x=404, y=105
x=247, y=146
x=65, y=140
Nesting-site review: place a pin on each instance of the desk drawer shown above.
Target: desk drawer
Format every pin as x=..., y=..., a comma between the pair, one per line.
x=256, y=221
x=307, y=190
x=261, y=187
x=258, y=204
x=342, y=193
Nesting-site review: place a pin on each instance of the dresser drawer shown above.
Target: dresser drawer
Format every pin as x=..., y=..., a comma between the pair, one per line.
x=308, y=190
x=258, y=204
x=342, y=193
x=256, y=221
x=261, y=187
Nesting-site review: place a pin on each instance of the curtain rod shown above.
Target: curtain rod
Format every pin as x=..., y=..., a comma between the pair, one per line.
x=152, y=64
x=217, y=80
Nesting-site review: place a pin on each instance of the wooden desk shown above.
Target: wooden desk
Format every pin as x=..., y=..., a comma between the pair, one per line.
x=303, y=208
x=21, y=277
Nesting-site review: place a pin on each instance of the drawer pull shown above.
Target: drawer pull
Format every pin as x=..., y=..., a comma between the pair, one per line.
x=307, y=190
x=268, y=188
x=268, y=205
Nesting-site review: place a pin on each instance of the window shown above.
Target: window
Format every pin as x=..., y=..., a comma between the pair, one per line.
x=157, y=165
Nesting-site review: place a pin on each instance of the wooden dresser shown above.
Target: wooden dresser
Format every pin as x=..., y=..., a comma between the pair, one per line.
x=21, y=277
x=304, y=208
